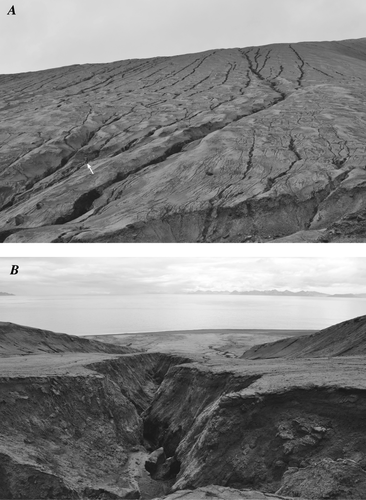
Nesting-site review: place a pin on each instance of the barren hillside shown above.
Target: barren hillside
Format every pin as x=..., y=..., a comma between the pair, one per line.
x=344, y=339
x=238, y=145
x=17, y=339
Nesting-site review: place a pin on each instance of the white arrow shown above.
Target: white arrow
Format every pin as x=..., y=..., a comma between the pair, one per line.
x=89, y=167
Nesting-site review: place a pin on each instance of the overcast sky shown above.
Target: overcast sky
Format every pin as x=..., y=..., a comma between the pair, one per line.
x=69, y=276
x=45, y=34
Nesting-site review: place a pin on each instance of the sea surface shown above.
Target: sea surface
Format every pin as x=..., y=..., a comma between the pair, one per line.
x=85, y=315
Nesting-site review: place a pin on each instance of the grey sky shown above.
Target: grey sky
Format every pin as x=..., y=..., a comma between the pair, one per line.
x=69, y=276
x=46, y=34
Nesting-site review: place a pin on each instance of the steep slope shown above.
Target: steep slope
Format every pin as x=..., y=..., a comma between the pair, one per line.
x=235, y=145
x=71, y=425
x=17, y=339
x=70, y=412
x=265, y=425
x=344, y=339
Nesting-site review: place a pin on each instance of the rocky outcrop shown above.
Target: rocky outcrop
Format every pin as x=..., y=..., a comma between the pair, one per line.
x=344, y=339
x=326, y=479
x=155, y=460
x=236, y=145
x=160, y=467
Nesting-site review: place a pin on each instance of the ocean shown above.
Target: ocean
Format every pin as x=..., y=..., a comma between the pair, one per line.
x=86, y=315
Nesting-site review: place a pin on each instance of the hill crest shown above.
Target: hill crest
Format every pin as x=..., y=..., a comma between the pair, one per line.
x=17, y=339
x=343, y=339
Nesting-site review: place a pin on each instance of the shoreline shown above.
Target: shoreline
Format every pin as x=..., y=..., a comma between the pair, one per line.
x=199, y=331
x=208, y=343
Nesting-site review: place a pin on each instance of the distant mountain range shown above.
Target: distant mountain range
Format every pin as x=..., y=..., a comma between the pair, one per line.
x=276, y=293
x=4, y=293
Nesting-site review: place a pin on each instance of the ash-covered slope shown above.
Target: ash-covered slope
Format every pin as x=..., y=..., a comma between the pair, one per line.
x=236, y=145
x=17, y=339
x=344, y=339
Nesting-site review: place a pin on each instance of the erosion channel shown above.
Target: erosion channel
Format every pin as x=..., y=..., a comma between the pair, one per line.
x=87, y=420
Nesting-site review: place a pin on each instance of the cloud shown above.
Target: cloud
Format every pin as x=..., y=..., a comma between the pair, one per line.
x=114, y=276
